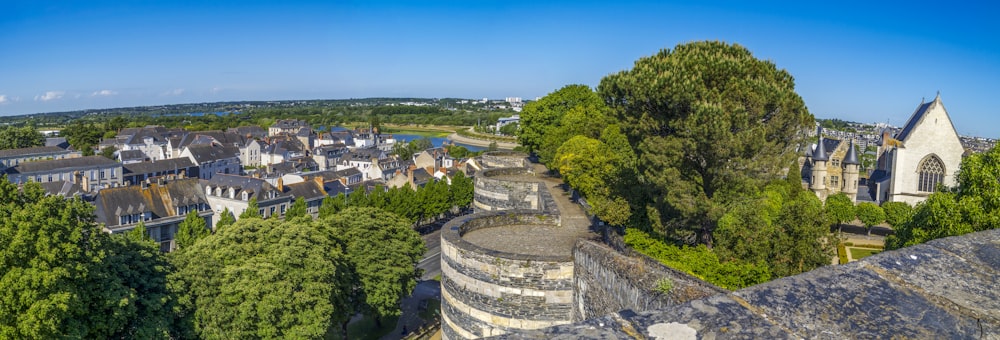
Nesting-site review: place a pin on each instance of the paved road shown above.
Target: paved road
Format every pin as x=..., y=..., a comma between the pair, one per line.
x=431, y=262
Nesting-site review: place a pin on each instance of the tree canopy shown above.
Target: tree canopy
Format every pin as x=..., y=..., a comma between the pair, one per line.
x=383, y=250
x=544, y=125
x=20, y=137
x=62, y=277
x=870, y=215
x=297, y=210
x=710, y=122
x=262, y=279
x=191, y=230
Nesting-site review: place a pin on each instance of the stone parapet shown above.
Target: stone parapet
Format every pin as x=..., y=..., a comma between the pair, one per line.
x=504, y=159
x=944, y=289
x=511, y=188
x=607, y=281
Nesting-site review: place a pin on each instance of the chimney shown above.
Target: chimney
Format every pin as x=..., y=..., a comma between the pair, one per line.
x=409, y=176
x=281, y=185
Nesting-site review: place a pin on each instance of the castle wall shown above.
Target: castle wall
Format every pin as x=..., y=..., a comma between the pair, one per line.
x=511, y=188
x=487, y=292
x=607, y=281
x=504, y=159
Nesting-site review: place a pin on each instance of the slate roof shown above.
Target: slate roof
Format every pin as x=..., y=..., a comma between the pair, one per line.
x=852, y=155
x=161, y=200
x=421, y=176
x=333, y=188
x=308, y=190
x=158, y=166
x=57, y=141
x=249, y=131
x=254, y=186
x=62, y=188
x=159, y=135
x=35, y=150
x=206, y=137
x=289, y=124
x=128, y=155
x=66, y=163
x=212, y=152
x=364, y=155
x=825, y=148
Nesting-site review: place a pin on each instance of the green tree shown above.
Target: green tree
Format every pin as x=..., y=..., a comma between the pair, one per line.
x=109, y=152
x=591, y=167
x=252, y=210
x=297, y=210
x=62, y=277
x=540, y=118
x=332, y=205
x=711, y=122
x=783, y=227
x=139, y=233
x=839, y=209
x=420, y=144
x=460, y=191
x=384, y=252
x=403, y=151
x=870, y=215
x=897, y=213
x=262, y=279
x=509, y=130
x=191, y=230
x=20, y=137
x=226, y=219
x=458, y=151
x=492, y=147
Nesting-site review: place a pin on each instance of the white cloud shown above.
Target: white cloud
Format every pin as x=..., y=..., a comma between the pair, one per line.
x=103, y=93
x=3, y=99
x=50, y=95
x=174, y=92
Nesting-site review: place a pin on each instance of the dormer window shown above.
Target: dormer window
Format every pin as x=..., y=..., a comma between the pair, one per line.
x=232, y=193
x=208, y=190
x=218, y=191
x=245, y=196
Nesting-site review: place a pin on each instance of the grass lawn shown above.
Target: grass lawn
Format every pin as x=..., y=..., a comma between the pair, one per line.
x=858, y=253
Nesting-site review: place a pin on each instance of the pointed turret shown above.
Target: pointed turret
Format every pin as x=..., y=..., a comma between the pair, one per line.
x=820, y=153
x=852, y=155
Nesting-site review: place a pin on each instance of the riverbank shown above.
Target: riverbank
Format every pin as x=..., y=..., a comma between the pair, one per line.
x=454, y=137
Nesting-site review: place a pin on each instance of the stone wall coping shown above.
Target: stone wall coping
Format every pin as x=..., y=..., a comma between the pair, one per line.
x=488, y=173
x=945, y=288
x=506, y=154
x=453, y=230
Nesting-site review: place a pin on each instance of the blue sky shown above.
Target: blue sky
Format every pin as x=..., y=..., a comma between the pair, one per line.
x=857, y=61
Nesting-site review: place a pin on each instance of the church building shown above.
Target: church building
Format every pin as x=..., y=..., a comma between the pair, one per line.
x=924, y=155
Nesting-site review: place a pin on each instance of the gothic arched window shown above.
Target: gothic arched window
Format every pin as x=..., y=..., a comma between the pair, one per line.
x=930, y=173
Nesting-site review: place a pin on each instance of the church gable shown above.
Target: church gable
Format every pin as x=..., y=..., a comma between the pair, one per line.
x=931, y=124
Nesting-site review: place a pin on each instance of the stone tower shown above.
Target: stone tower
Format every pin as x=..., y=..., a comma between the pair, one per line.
x=819, y=159
x=851, y=173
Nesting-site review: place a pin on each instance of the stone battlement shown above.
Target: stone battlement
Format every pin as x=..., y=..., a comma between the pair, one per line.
x=945, y=289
